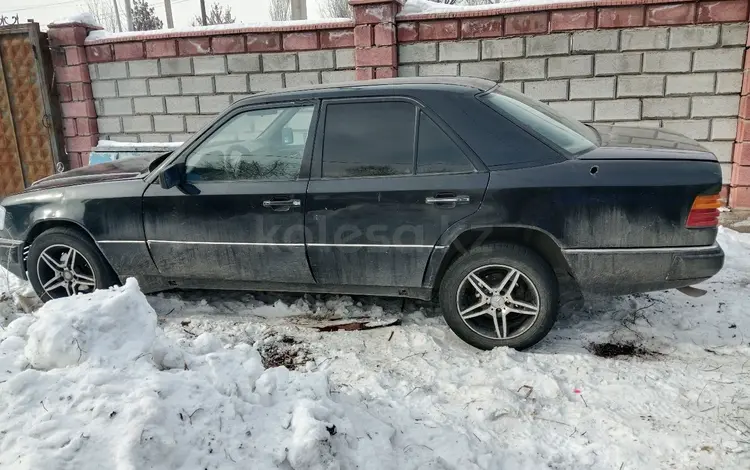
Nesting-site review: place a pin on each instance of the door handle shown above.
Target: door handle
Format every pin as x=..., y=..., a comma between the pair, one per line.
x=282, y=204
x=448, y=200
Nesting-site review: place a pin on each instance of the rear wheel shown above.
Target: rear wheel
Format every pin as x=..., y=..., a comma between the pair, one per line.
x=62, y=262
x=500, y=295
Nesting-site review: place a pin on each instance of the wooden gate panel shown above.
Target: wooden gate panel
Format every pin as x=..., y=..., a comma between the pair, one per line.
x=30, y=128
x=32, y=136
x=11, y=177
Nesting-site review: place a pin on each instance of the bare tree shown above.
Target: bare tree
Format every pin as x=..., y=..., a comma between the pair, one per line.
x=218, y=14
x=335, y=9
x=280, y=10
x=103, y=12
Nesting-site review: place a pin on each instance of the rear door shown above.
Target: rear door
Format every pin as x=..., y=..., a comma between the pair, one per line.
x=388, y=178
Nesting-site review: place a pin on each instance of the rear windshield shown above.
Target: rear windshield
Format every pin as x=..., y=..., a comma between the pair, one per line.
x=561, y=131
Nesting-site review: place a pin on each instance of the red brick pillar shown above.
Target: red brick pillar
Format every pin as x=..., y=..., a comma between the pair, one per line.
x=73, y=85
x=375, y=53
x=739, y=191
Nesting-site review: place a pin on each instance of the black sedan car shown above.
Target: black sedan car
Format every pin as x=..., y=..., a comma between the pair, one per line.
x=450, y=188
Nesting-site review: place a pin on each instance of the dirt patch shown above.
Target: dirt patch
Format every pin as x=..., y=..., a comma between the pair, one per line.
x=620, y=349
x=282, y=350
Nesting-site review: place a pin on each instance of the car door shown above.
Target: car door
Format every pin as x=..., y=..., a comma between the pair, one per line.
x=388, y=178
x=246, y=222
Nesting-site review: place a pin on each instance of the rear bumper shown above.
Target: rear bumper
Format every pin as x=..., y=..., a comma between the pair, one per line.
x=628, y=271
x=11, y=257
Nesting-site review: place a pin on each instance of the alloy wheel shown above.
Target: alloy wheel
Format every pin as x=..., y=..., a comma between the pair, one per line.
x=498, y=302
x=63, y=271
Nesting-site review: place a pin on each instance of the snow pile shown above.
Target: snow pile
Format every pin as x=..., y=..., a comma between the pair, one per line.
x=106, y=329
x=92, y=382
x=421, y=7
x=83, y=17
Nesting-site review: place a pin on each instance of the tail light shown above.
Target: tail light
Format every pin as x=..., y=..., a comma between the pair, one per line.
x=705, y=212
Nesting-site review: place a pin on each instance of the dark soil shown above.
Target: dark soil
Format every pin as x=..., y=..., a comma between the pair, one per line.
x=620, y=349
x=282, y=350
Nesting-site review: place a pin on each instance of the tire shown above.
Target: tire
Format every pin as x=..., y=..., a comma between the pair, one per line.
x=56, y=243
x=493, y=263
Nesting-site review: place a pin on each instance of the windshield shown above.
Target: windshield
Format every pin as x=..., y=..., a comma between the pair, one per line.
x=568, y=134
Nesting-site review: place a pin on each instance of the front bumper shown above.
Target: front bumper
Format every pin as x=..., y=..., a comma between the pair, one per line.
x=11, y=256
x=628, y=271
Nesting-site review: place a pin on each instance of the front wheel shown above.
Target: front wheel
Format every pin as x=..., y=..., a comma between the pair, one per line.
x=500, y=295
x=62, y=263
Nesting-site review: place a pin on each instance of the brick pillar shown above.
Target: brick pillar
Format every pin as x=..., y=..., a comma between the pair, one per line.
x=73, y=85
x=739, y=191
x=375, y=53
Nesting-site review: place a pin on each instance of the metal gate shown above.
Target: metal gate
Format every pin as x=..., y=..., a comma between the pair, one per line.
x=30, y=128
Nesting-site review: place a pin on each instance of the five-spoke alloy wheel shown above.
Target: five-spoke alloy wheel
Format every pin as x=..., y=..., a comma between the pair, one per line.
x=500, y=295
x=63, y=272
x=498, y=301
x=63, y=262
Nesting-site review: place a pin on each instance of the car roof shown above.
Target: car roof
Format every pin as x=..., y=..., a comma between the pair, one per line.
x=375, y=87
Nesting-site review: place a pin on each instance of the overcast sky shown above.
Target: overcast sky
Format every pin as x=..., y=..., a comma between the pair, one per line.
x=183, y=11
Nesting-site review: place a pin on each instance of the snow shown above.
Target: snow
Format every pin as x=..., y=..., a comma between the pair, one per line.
x=83, y=17
x=119, y=380
x=100, y=35
x=126, y=145
x=423, y=7
x=59, y=338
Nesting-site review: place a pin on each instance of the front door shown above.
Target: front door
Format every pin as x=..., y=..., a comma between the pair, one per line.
x=247, y=221
x=387, y=180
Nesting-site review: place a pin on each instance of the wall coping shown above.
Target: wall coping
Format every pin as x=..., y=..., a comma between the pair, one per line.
x=211, y=31
x=75, y=24
x=499, y=9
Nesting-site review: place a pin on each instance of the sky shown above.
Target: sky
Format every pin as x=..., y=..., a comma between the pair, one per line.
x=183, y=11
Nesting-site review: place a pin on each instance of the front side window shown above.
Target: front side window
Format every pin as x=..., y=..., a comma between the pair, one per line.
x=564, y=132
x=369, y=139
x=266, y=145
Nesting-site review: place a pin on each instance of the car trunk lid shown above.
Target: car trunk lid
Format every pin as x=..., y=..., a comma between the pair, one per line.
x=637, y=143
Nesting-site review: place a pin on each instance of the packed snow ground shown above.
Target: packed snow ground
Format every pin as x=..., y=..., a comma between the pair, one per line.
x=123, y=381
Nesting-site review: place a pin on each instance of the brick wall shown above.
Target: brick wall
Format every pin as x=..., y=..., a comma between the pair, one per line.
x=167, y=99
x=158, y=87
x=678, y=64
x=684, y=78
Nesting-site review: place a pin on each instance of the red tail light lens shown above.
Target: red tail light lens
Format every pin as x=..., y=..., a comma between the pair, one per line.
x=705, y=212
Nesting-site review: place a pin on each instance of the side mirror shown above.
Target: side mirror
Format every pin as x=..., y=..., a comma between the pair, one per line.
x=172, y=176
x=287, y=136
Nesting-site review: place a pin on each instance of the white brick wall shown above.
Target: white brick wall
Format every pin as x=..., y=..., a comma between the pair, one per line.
x=161, y=100
x=683, y=78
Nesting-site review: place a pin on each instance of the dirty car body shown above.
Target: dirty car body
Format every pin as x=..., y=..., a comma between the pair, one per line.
x=379, y=187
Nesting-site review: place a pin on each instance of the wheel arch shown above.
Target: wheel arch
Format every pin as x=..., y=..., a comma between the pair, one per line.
x=538, y=240
x=41, y=226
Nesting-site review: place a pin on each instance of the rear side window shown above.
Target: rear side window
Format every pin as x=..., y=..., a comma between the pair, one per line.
x=436, y=152
x=369, y=139
x=566, y=133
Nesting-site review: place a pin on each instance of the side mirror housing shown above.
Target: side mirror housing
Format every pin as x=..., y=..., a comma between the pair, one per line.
x=172, y=176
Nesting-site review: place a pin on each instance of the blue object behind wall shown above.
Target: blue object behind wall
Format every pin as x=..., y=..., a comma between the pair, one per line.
x=105, y=152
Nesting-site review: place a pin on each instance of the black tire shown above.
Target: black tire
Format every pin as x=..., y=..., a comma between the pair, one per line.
x=104, y=276
x=530, y=264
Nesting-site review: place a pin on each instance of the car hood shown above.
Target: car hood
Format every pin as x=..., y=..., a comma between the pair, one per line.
x=621, y=142
x=129, y=168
